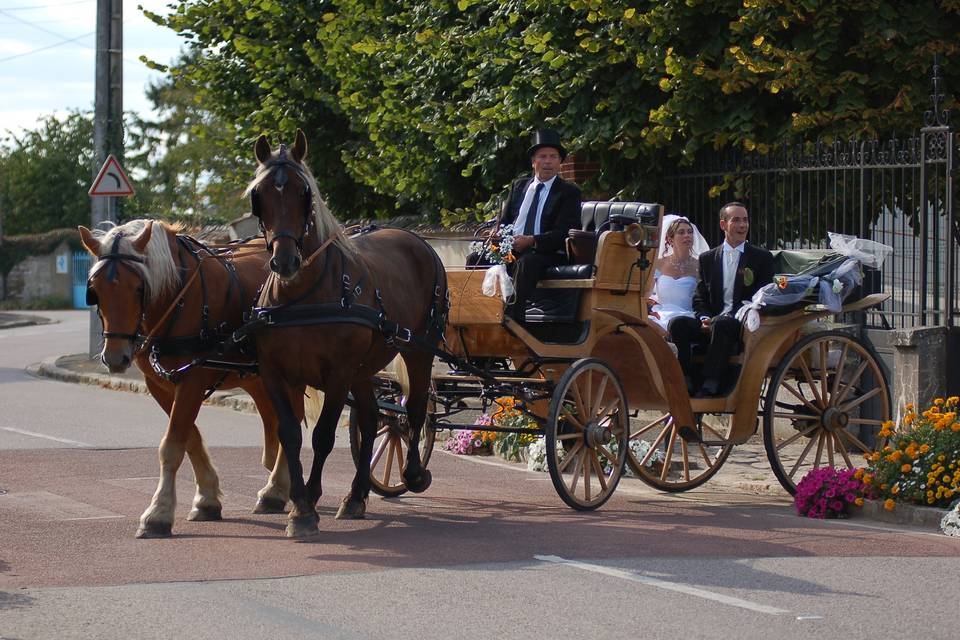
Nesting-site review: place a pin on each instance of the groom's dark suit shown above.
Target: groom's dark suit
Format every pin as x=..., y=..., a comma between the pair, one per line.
x=561, y=212
x=754, y=270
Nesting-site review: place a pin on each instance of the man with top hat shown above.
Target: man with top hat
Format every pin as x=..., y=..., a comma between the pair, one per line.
x=542, y=209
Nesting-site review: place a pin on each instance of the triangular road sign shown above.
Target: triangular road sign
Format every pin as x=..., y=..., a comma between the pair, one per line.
x=111, y=181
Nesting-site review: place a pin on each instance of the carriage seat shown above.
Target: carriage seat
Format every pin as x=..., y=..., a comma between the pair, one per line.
x=561, y=306
x=595, y=218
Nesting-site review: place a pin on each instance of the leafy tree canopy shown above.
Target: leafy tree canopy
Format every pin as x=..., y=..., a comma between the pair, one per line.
x=430, y=102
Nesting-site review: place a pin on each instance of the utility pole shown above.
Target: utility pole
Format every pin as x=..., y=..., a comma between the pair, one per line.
x=107, y=118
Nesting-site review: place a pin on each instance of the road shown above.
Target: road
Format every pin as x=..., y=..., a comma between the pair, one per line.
x=488, y=552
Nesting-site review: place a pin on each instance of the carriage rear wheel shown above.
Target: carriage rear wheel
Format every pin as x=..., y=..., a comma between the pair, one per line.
x=824, y=406
x=587, y=433
x=390, y=447
x=665, y=461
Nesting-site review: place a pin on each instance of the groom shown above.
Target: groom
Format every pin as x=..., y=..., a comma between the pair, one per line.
x=729, y=275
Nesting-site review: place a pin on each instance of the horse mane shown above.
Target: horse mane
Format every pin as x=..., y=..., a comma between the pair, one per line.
x=158, y=269
x=325, y=224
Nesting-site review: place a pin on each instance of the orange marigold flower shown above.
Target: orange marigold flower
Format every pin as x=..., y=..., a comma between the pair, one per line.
x=908, y=406
x=906, y=468
x=938, y=401
x=953, y=401
x=924, y=448
x=858, y=474
x=895, y=489
x=858, y=502
x=955, y=426
x=909, y=418
x=889, y=504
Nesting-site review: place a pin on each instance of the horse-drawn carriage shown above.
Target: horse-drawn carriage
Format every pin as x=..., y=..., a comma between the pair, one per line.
x=598, y=381
x=606, y=391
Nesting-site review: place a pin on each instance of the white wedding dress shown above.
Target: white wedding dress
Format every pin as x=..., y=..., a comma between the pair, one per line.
x=674, y=296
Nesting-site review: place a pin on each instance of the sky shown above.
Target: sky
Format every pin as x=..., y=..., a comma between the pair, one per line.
x=47, y=55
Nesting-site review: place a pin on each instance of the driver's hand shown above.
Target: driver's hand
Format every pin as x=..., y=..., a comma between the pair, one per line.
x=522, y=243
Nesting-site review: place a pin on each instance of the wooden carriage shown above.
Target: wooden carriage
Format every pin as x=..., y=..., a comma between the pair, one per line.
x=605, y=388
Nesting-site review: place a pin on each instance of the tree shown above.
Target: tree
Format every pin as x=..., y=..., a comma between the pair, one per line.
x=430, y=102
x=45, y=174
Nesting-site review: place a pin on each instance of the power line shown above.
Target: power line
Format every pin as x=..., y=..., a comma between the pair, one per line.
x=49, y=46
x=46, y=6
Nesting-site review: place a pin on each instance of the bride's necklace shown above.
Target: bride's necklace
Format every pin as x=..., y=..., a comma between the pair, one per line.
x=679, y=262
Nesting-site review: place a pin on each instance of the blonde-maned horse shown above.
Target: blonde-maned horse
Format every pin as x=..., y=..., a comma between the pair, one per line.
x=162, y=292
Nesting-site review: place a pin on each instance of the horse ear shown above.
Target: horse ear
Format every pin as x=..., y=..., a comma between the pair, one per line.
x=262, y=149
x=91, y=244
x=140, y=242
x=299, y=146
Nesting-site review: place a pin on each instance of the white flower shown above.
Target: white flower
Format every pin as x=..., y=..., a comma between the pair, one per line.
x=837, y=286
x=950, y=524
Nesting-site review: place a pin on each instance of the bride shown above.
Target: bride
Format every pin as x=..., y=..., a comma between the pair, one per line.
x=676, y=271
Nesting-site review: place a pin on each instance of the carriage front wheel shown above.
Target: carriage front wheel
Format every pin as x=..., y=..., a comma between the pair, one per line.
x=390, y=447
x=824, y=406
x=587, y=434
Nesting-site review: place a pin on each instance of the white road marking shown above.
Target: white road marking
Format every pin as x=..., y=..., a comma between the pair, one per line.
x=664, y=584
x=33, y=434
x=52, y=506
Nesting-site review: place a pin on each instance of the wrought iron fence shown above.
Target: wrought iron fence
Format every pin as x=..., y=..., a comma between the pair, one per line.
x=899, y=192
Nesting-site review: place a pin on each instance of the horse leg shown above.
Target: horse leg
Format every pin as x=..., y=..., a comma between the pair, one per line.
x=157, y=520
x=272, y=498
x=303, y=519
x=324, y=434
x=354, y=504
x=419, y=369
x=206, y=502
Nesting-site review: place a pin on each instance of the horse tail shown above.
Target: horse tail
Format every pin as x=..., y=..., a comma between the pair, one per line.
x=398, y=368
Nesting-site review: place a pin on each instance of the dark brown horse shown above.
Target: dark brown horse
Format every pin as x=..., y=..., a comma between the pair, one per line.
x=334, y=312
x=161, y=292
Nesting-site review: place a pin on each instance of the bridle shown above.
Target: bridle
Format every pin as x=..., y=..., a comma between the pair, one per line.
x=280, y=166
x=112, y=259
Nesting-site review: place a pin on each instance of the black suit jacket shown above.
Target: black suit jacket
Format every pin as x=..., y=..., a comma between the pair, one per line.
x=561, y=212
x=708, y=298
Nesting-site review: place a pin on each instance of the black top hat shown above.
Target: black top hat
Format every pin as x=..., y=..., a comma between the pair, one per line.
x=546, y=138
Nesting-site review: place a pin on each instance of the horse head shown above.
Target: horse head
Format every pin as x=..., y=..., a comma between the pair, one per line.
x=282, y=198
x=133, y=271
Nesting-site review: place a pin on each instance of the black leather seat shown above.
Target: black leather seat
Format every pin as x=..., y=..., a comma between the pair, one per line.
x=559, y=307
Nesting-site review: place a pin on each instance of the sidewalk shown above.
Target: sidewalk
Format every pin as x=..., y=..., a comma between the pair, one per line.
x=746, y=470
x=13, y=320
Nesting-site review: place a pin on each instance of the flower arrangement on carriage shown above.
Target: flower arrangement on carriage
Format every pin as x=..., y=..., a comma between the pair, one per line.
x=497, y=251
x=827, y=282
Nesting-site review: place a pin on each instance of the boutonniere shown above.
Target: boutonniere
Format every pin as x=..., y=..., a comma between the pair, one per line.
x=747, y=276
x=781, y=282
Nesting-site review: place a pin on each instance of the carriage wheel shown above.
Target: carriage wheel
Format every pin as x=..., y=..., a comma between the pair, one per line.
x=665, y=461
x=824, y=406
x=587, y=432
x=390, y=447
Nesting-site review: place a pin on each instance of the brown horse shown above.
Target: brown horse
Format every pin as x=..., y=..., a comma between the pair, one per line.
x=166, y=297
x=334, y=312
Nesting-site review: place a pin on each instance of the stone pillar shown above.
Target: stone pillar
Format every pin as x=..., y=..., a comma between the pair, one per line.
x=920, y=362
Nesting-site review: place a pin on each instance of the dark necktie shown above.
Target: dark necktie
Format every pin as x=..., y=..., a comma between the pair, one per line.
x=531, y=221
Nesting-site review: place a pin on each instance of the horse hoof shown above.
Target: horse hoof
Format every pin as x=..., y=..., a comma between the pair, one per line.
x=155, y=530
x=352, y=509
x=205, y=514
x=420, y=483
x=270, y=505
x=302, y=527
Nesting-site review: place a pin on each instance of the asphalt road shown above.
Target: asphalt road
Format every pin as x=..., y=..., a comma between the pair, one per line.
x=489, y=551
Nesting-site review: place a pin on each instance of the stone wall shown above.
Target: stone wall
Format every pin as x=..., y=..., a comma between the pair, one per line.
x=36, y=277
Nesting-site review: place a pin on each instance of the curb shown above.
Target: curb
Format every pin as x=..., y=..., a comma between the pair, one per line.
x=49, y=369
x=17, y=320
x=904, y=514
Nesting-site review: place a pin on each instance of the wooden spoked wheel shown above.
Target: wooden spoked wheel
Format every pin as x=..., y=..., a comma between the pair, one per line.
x=390, y=448
x=824, y=406
x=586, y=435
x=665, y=461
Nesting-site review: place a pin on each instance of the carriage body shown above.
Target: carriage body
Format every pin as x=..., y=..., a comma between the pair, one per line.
x=610, y=344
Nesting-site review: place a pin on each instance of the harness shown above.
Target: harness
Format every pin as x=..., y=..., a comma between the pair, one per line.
x=282, y=163
x=159, y=340
x=348, y=311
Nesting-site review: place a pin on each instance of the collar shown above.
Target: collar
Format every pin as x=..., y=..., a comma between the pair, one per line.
x=546, y=184
x=740, y=247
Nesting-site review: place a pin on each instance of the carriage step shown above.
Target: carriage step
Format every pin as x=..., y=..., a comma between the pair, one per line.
x=690, y=435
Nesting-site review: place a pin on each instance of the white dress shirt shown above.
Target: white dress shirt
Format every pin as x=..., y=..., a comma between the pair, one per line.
x=521, y=221
x=731, y=259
